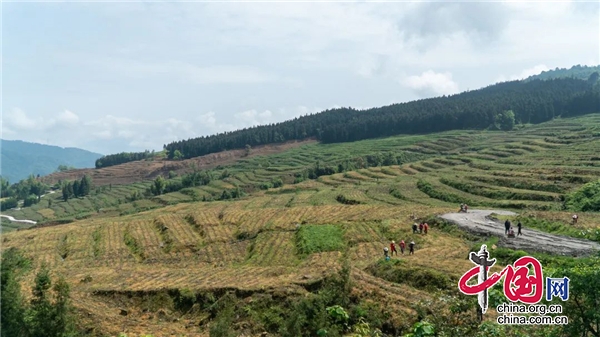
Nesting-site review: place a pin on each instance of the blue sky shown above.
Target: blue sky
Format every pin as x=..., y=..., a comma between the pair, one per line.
x=112, y=77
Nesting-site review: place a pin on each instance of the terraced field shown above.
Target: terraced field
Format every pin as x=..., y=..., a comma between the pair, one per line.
x=251, y=244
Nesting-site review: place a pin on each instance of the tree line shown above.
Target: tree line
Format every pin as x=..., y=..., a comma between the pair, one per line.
x=578, y=71
x=30, y=190
x=534, y=101
x=531, y=101
x=123, y=157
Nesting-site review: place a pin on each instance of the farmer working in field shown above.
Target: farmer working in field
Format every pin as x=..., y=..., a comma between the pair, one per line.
x=411, y=246
x=421, y=228
x=402, y=246
x=575, y=217
x=385, y=252
x=519, y=228
x=506, y=226
x=425, y=227
x=414, y=227
x=393, y=248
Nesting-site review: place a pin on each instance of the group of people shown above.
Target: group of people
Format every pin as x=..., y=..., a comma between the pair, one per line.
x=393, y=249
x=508, y=229
x=511, y=233
x=423, y=227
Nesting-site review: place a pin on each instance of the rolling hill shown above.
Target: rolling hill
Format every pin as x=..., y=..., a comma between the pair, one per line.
x=540, y=98
x=285, y=238
x=20, y=159
x=270, y=263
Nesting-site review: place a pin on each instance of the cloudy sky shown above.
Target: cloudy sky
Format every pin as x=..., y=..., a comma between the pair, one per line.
x=112, y=77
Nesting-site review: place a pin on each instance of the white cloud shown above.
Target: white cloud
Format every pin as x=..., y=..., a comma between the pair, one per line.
x=19, y=120
x=254, y=117
x=67, y=117
x=532, y=71
x=251, y=58
x=535, y=70
x=193, y=73
x=208, y=119
x=432, y=83
x=272, y=42
x=138, y=134
x=251, y=117
x=104, y=134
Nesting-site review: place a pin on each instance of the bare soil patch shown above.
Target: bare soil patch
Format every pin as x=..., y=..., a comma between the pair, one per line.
x=136, y=171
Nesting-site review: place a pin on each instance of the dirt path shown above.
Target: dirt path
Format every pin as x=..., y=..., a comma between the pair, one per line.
x=15, y=220
x=478, y=222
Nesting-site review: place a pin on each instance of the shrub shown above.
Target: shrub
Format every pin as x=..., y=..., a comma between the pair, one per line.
x=277, y=182
x=30, y=200
x=346, y=201
x=8, y=204
x=585, y=199
x=265, y=186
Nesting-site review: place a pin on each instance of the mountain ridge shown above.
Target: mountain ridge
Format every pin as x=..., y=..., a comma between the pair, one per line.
x=21, y=158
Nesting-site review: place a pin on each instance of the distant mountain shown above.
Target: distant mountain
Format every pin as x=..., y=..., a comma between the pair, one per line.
x=578, y=72
x=20, y=159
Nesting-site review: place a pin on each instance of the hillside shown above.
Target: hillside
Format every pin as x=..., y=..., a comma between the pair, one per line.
x=531, y=102
x=270, y=262
x=577, y=72
x=142, y=170
x=292, y=163
x=20, y=159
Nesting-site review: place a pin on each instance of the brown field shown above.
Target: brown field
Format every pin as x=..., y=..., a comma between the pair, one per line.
x=135, y=171
x=208, y=257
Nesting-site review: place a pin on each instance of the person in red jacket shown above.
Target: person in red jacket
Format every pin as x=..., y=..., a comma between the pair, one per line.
x=425, y=227
x=393, y=248
x=402, y=246
x=421, y=228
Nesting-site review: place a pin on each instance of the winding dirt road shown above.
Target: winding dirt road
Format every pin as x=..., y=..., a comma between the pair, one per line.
x=478, y=222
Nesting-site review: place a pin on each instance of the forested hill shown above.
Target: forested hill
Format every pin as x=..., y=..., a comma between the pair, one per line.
x=578, y=72
x=533, y=101
x=20, y=159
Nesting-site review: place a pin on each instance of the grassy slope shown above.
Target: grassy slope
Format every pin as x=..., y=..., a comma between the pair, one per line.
x=252, y=244
x=490, y=154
